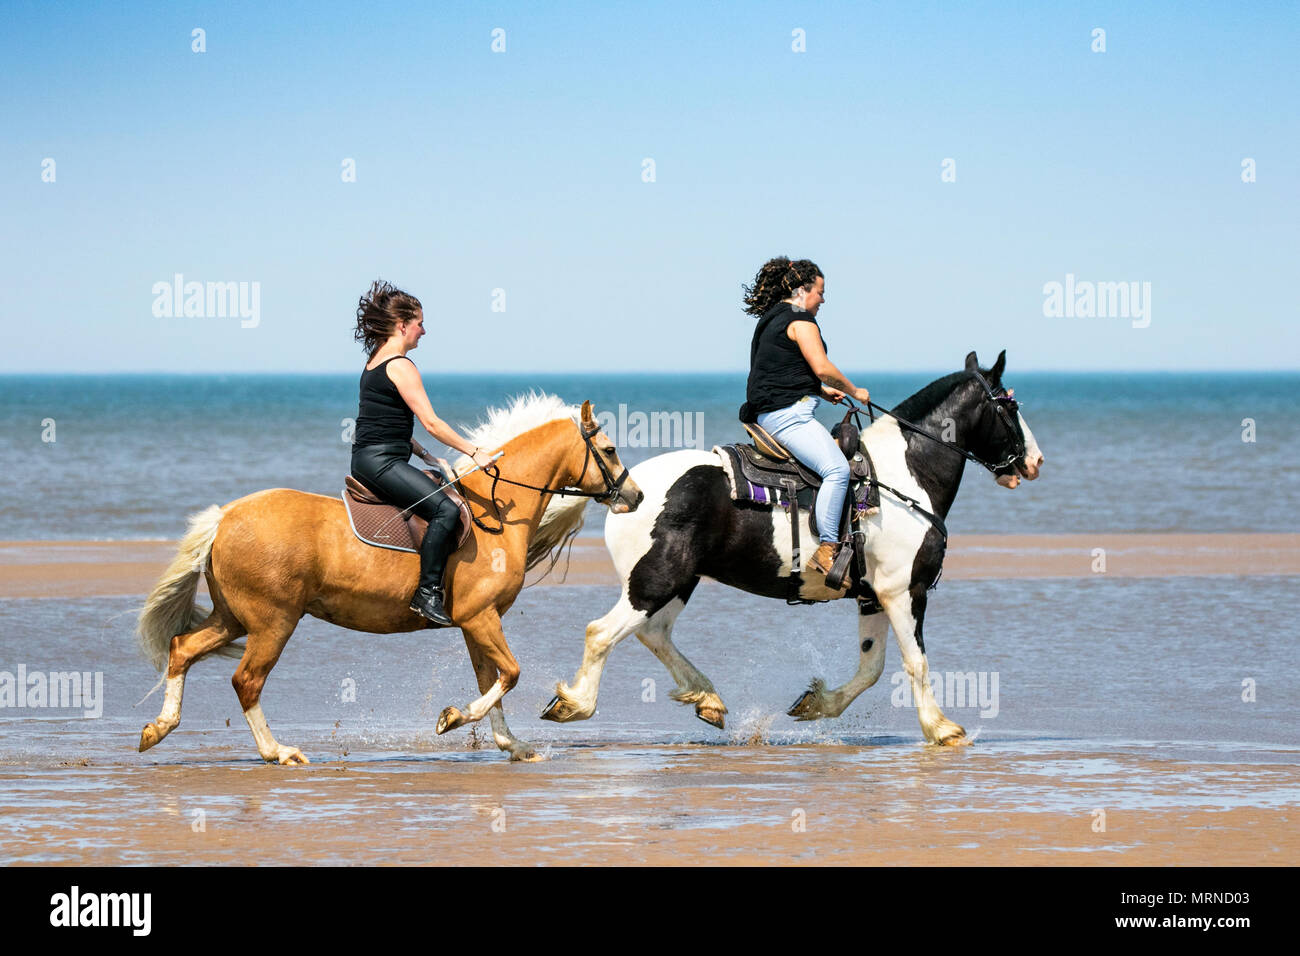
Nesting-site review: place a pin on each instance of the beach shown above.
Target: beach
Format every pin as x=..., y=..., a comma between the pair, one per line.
x=82, y=568
x=1076, y=759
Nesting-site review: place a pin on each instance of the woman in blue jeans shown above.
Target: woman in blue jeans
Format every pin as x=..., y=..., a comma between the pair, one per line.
x=789, y=374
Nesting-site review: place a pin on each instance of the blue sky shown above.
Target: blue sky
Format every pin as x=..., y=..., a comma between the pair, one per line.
x=522, y=171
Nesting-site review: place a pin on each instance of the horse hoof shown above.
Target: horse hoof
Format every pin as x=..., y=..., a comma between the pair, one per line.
x=525, y=755
x=449, y=719
x=951, y=735
x=289, y=756
x=561, y=710
x=149, y=737
x=802, y=708
x=711, y=715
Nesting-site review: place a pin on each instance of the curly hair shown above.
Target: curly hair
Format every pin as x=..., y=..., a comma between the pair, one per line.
x=779, y=279
x=380, y=311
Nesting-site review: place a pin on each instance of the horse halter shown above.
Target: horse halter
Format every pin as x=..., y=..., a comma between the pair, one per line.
x=612, y=485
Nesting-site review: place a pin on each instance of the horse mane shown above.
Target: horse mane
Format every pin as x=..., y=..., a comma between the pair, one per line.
x=522, y=413
x=564, y=515
x=916, y=406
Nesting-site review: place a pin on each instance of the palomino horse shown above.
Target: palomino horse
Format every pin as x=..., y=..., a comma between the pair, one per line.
x=690, y=528
x=276, y=555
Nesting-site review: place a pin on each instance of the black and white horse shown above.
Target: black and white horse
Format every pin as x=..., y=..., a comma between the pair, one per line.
x=688, y=527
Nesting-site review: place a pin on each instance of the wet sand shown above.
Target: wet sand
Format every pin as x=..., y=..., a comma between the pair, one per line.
x=1079, y=789
x=665, y=805
x=98, y=568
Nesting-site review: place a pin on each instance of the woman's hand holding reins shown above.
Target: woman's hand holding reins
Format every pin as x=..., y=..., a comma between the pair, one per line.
x=482, y=457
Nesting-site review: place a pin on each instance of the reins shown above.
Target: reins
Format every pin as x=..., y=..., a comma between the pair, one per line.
x=911, y=502
x=872, y=407
x=612, y=485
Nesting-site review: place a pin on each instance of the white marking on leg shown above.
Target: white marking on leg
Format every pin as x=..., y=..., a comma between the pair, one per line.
x=478, y=709
x=873, y=628
x=505, y=740
x=692, y=686
x=934, y=724
x=170, y=716
x=603, y=636
x=266, y=744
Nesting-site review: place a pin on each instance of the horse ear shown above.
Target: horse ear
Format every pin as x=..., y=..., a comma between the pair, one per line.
x=972, y=363
x=586, y=413
x=995, y=373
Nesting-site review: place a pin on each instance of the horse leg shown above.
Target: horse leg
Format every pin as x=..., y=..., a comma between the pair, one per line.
x=818, y=702
x=692, y=686
x=217, y=630
x=487, y=676
x=484, y=632
x=263, y=649
x=578, y=701
x=907, y=613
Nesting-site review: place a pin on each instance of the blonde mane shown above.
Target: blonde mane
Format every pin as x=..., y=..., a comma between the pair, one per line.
x=564, y=515
x=523, y=413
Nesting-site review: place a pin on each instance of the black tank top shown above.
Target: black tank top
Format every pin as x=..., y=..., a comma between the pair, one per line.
x=383, y=415
x=779, y=375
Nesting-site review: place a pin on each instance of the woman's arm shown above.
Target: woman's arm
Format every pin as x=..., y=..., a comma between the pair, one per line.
x=809, y=340
x=411, y=387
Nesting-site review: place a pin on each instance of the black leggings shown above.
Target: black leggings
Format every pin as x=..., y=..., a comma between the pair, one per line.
x=384, y=469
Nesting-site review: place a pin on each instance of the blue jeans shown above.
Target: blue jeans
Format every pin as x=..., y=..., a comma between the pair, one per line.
x=810, y=442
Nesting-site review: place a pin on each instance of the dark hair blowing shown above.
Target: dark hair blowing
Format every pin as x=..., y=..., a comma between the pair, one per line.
x=380, y=311
x=779, y=279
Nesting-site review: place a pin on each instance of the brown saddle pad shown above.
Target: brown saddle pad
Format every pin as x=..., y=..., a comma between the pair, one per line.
x=376, y=522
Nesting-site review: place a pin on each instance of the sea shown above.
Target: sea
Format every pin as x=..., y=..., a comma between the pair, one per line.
x=121, y=457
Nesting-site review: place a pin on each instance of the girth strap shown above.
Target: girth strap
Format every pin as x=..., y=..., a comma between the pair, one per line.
x=791, y=489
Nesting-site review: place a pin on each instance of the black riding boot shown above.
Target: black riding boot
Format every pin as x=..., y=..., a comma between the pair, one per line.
x=428, y=597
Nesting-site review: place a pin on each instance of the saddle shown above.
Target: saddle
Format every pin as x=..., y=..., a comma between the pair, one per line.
x=767, y=473
x=376, y=522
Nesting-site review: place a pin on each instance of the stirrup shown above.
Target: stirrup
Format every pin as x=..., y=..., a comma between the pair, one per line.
x=840, y=566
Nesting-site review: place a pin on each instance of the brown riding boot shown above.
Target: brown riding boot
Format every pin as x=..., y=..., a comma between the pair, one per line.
x=823, y=558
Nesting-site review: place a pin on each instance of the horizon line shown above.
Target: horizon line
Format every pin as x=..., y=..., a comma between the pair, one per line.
x=700, y=372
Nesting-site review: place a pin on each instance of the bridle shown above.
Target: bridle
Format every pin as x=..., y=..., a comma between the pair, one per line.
x=1003, y=404
x=612, y=485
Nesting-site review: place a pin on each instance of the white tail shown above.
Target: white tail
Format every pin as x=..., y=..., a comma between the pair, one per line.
x=170, y=609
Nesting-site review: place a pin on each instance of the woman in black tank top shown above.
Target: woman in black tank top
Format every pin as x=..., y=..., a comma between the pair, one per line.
x=789, y=374
x=389, y=324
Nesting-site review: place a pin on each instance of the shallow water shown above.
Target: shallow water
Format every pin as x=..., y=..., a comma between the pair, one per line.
x=1100, y=664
